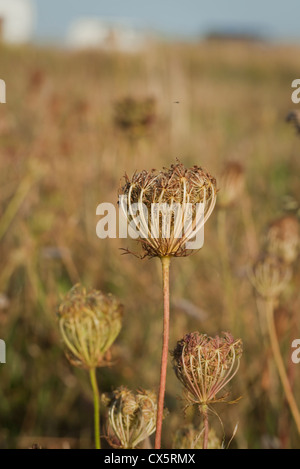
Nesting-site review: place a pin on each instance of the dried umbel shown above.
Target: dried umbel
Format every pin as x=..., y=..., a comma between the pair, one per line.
x=270, y=276
x=168, y=210
x=189, y=438
x=172, y=205
x=132, y=417
x=89, y=323
x=283, y=238
x=135, y=116
x=232, y=183
x=205, y=365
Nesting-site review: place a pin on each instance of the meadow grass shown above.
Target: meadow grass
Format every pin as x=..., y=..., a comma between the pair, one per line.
x=61, y=154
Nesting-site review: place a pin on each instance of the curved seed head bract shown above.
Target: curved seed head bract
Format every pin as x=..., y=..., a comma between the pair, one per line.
x=168, y=203
x=89, y=323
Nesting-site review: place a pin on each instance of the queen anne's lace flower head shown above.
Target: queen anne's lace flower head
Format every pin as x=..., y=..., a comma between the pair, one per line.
x=205, y=365
x=132, y=417
x=168, y=204
x=283, y=238
x=269, y=276
x=89, y=323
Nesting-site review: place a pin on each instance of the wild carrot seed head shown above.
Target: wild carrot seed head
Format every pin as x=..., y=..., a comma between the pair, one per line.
x=232, y=183
x=135, y=116
x=132, y=417
x=167, y=202
x=270, y=276
x=205, y=365
x=89, y=323
x=283, y=238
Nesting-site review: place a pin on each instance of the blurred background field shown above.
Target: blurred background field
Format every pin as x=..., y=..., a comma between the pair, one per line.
x=62, y=153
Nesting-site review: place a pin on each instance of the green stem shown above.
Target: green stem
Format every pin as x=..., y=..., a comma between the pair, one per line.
x=96, y=407
x=165, y=350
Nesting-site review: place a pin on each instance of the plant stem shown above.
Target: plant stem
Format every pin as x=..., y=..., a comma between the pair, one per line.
x=206, y=426
x=96, y=407
x=250, y=230
x=165, y=349
x=280, y=364
x=14, y=205
x=226, y=271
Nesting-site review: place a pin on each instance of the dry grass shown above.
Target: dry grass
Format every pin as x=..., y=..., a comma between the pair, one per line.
x=61, y=155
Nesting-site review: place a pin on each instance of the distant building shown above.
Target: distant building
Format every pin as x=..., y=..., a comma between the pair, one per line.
x=93, y=33
x=16, y=21
x=234, y=34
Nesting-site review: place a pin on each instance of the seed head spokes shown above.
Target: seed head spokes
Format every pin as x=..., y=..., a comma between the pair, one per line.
x=270, y=276
x=132, y=417
x=89, y=322
x=172, y=207
x=205, y=365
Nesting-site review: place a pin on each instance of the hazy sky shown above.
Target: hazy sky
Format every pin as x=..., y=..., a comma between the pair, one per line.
x=279, y=19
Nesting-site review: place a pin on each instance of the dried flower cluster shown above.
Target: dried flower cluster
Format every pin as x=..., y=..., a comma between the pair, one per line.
x=205, y=365
x=270, y=276
x=132, y=417
x=167, y=202
x=232, y=183
x=135, y=116
x=283, y=238
x=89, y=323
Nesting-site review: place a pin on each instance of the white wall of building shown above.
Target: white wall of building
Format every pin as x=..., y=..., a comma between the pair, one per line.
x=93, y=33
x=18, y=20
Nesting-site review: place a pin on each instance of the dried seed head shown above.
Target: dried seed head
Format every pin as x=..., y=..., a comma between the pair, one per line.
x=135, y=116
x=132, y=417
x=283, y=238
x=232, y=183
x=270, y=276
x=205, y=365
x=89, y=323
x=146, y=400
x=168, y=205
x=190, y=438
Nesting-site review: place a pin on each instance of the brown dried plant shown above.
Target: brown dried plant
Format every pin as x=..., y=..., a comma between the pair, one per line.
x=231, y=192
x=135, y=116
x=270, y=276
x=168, y=202
x=232, y=184
x=283, y=238
x=89, y=323
x=205, y=365
x=132, y=417
x=177, y=193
